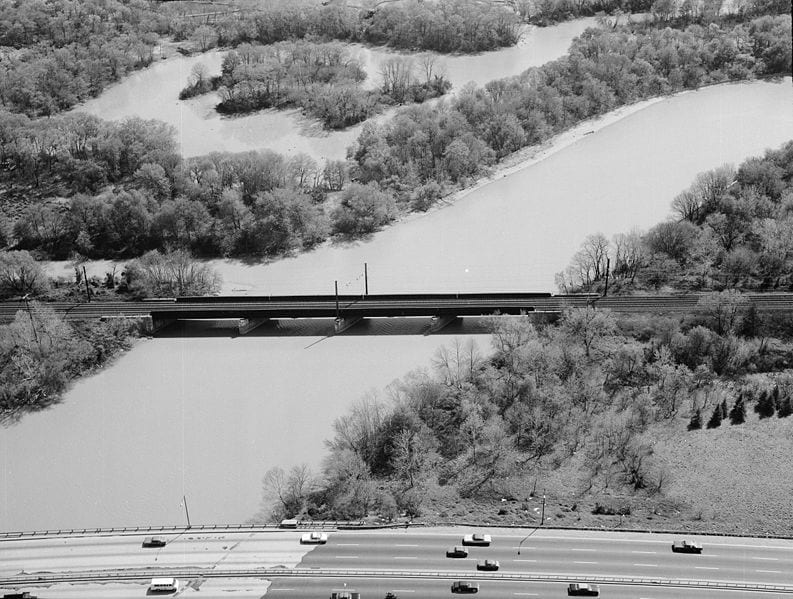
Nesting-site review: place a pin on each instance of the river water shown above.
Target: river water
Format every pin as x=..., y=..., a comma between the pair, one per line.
x=206, y=416
x=154, y=94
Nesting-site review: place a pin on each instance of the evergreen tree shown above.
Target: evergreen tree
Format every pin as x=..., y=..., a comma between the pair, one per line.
x=738, y=412
x=765, y=407
x=715, y=419
x=724, y=411
x=785, y=408
x=696, y=421
x=760, y=399
x=776, y=396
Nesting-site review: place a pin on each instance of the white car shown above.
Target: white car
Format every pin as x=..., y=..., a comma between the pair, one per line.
x=314, y=538
x=477, y=539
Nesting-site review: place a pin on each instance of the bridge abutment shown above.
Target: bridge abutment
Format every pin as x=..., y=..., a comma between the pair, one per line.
x=152, y=325
x=342, y=324
x=246, y=325
x=438, y=323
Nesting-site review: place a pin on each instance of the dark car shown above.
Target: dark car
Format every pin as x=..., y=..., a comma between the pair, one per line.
x=22, y=595
x=465, y=586
x=490, y=565
x=457, y=551
x=686, y=547
x=153, y=542
x=583, y=590
x=390, y=595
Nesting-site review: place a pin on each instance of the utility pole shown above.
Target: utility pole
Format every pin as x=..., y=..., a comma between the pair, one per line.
x=542, y=521
x=365, y=279
x=336, y=285
x=608, y=265
x=187, y=513
x=32, y=322
x=87, y=291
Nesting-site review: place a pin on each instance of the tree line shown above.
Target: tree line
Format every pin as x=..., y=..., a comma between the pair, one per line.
x=262, y=204
x=131, y=192
x=732, y=228
x=41, y=352
x=61, y=52
x=323, y=79
x=585, y=390
x=451, y=143
x=444, y=26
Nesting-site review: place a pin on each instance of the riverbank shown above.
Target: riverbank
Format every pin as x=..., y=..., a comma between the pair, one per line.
x=724, y=480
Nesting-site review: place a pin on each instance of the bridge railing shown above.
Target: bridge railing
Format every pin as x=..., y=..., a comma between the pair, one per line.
x=131, y=530
x=143, y=574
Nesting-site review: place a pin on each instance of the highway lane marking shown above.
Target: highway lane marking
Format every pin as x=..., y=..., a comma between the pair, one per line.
x=705, y=568
x=644, y=552
x=282, y=589
x=404, y=590
x=647, y=565
x=584, y=562
x=613, y=539
x=404, y=557
x=346, y=557
x=524, y=547
x=579, y=549
x=347, y=544
x=525, y=594
x=400, y=545
x=774, y=559
x=524, y=560
x=769, y=571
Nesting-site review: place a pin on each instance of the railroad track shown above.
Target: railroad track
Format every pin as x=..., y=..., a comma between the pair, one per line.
x=383, y=306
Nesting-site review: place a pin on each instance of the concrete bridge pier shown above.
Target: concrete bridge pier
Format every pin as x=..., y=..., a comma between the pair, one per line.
x=153, y=325
x=246, y=325
x=342, y=324
x=440, y=322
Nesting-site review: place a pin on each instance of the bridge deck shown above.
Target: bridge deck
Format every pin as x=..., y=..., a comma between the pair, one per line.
x=401, y=305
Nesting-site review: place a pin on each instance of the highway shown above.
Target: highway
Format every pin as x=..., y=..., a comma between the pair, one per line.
x=404, y=305
x=411, y=561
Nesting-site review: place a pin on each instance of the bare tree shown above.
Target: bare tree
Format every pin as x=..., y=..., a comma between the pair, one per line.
x=724, y=310
x=629, y=255
x=587, y=267
x=302, y=169
x=397, y=74
x=20, y=274
x=289, y=491
x=459, y=364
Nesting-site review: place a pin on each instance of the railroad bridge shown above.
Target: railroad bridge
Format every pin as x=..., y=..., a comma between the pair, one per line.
x=251, y=312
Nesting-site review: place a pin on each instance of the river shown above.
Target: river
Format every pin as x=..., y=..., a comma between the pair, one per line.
x=154, y=94
x=206, y=416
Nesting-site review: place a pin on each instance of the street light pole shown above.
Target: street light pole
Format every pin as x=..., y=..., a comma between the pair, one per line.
x=542, y=521
x=186, y=512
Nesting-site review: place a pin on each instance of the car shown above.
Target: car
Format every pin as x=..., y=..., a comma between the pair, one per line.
x=478, y=539
x=163, y=585
x=288, y=523
x=579, y=589
x=314, y=538
x=153, y=542
x=457, y=551
x=686, y=547
x=465, y=586
x=22, y=595
x=490, y=565
x=391, y=595
x=345, y=594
